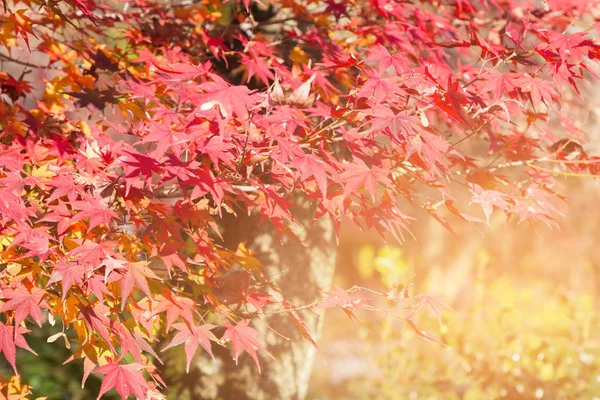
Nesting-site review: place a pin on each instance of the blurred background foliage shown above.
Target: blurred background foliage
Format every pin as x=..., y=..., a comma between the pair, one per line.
x=523, y=325
x=46, y=373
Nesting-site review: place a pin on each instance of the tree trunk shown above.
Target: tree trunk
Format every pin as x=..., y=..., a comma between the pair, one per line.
x=301, y=271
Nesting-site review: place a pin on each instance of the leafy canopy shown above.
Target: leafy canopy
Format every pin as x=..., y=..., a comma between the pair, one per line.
x=129, y=128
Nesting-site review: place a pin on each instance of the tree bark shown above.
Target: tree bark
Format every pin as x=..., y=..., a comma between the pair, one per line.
x=302, y=271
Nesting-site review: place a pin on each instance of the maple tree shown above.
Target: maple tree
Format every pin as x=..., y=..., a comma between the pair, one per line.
x=129, y=129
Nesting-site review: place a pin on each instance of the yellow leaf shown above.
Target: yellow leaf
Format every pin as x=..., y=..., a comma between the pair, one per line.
x=13, y=269
x=298, y=55
x=246, y=257
x=42, y=172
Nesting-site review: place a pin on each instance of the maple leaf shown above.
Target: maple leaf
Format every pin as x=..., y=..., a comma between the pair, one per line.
x=192, y=336
x=540, y=90
x=435, y=214
x=501, y=83
x=434, y=302
x=451, y=100
x=142, y=315
x=88, y=353
x=299, y=323
x=166, y=138
x=86, y=7
x=91, y=252
x=378, y=87
x=337, y=63
x=144, y=166
x=22, y=24
x=342, y=299
x=67, y=273
x=243, y=337
x=573, y=46
x=382, y=56
x=235, y=99
x=125, y=378
x=61, y=215
x=102, y=61
x=111, y=264
x=180, y=71
x=25, y=303
x=36, y=240
x=97, y=285
x=204, y=182
x=9, y=338
x=134, y=344
x=488, y=199
x=257, y=67
x=300, y=97
x=237, y=288
x=11, y=207
x=411, y=321
x=95, y=97
x=397, y=123
x=258, y=300
x=175, y=307
x=96, y=321
x=136, y=274
x=137, y=89
x=173, y=259
x=360, y=174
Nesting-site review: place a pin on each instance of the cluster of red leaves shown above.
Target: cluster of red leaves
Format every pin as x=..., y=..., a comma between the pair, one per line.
x=126, y=136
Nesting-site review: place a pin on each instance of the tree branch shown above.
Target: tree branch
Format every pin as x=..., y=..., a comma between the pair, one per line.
x=7, y=58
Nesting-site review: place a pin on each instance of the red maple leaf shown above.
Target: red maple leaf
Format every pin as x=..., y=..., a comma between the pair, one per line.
x=67, y=273
x=181, y=71
x=378, y=87
x=61, y=215
x=539, y=90
x=125, y=378
x=360, y=174
x=96, y=210
x=386, y=60
x=342, y=299
x=397, y=123
x=238, y=289
x=96, y=284
x=434, y=302
x=134, y=344
x=319, y=169
x=569, y=47
x=136, y=274
x=193, y=336
x=500, y=83
x=235, y=99
x=86, y=7
x=91, y=252
x=96, y=321
x=299, y=323
x=451, y=100
x=413, y=324
x=175, y=307
x=243, y=337
x=258, y=67
x=488, y=200
x=9, y=339
x=24, y=303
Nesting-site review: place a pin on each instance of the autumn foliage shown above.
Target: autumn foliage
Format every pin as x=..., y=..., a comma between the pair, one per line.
x=129, y=129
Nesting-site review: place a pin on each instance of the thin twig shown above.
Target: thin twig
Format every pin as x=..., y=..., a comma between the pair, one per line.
x=475, y=132
x=4, y=57
x=573, y=174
